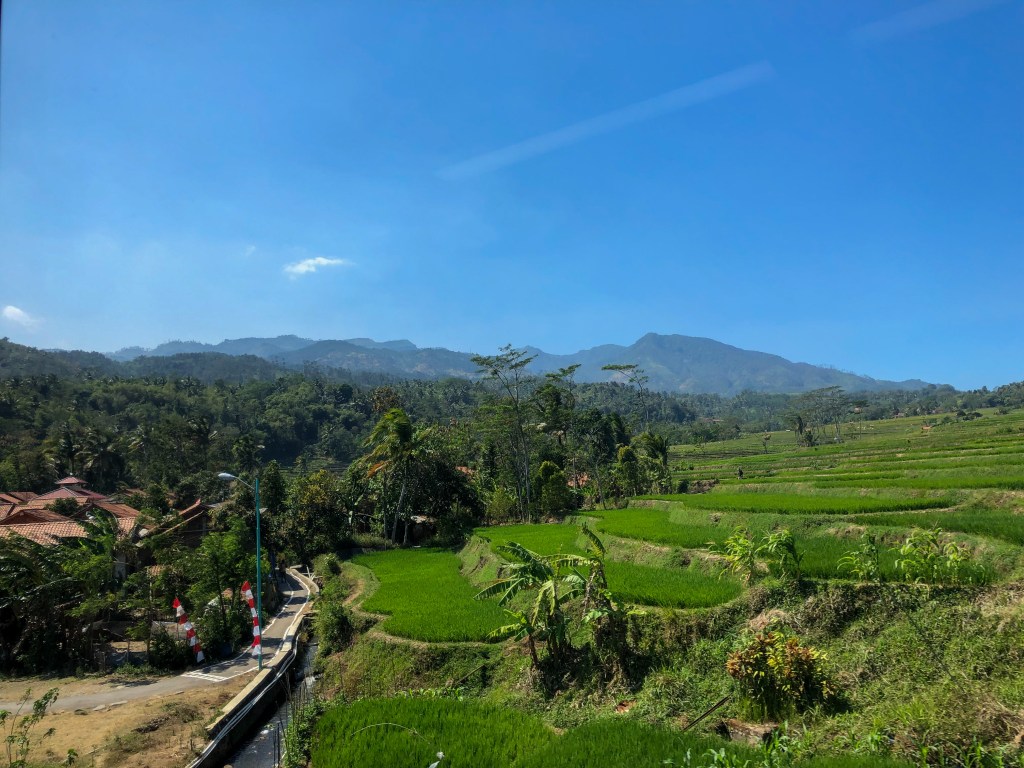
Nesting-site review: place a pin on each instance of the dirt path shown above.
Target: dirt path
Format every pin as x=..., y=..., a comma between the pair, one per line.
x=353, y=599
x=356, y=593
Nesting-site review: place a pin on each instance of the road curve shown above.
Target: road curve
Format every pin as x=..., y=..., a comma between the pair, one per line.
x=296, y=595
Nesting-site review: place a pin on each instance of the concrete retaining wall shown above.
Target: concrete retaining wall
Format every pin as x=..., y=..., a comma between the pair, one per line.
x=253, y=702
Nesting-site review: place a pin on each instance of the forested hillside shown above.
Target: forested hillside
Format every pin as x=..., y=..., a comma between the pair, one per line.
x=173, y=420
x=673, y=363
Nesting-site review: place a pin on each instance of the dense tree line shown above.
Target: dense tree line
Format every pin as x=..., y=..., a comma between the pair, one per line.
x=339, y=463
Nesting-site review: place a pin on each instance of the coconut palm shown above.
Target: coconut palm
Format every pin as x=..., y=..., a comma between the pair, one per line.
x=395, y=445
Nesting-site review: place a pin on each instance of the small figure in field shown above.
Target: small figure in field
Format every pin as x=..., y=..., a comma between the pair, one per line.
x=739, y=473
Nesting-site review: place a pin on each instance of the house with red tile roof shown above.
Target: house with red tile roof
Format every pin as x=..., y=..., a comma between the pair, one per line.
x=190, y=525
x=32, y=516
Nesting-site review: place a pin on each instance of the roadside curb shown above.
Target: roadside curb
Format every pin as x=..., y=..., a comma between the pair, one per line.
x=252, y=700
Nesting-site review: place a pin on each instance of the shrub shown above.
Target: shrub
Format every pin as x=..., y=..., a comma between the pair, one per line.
x=740, y=553
x=333, y=623
x=862, y=562
x=455, y=527
x=779, y=676
x=930, y=557
x=167, y=653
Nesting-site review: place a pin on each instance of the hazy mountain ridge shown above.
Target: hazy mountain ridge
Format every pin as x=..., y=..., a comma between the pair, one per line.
x=673, y=363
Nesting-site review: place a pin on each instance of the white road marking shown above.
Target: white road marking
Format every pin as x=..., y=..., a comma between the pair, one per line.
x=204, y=676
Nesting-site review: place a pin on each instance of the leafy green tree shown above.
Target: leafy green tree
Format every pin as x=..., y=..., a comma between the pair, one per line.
x=629, y=475
x=247, y=454
x=316, y=518
x=274, y=499
x=636, y=376
x=508, y=369
x=102, y=459
x=555, y=496
x=217, y=569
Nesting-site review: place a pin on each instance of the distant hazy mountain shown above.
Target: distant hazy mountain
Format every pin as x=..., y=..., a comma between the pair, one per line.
x=677, y=363
x=674, y=363
x=265, y=348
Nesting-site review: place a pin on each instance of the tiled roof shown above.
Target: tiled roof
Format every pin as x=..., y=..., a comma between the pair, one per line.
x=31, y=518
x=71, y=480
x=44, y=533
x=20, y=515
x=63, y=493
x=195, y=509
x=42, y=502
x=121, y=511
x=16, y=497
x=52, y=532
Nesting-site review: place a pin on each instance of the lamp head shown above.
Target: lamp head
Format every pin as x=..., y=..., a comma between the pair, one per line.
x=226, y=477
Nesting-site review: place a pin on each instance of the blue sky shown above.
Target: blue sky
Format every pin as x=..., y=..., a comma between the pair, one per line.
x=838, y=183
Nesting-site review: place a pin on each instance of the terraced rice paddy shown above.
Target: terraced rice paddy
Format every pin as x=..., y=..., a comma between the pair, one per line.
x=887, y=480
x=690, y=587
x=409, y=733
x=801, y=504
x=426, y=597
x=907, y=453
x=904, y=479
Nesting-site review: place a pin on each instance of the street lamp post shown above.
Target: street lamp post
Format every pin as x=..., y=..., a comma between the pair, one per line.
x=255, y=488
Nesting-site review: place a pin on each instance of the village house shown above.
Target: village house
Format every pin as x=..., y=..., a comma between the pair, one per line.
x=189, y=526
x=33, y=516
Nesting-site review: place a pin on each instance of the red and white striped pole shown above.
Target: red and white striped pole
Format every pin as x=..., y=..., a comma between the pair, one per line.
x=257, y=648
x=190, y=631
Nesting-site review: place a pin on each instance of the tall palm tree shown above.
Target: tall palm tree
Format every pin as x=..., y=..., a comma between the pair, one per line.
x=394, y=446
x=103, y=460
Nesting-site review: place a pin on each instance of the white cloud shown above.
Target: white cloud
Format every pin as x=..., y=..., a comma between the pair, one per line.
x=19, y=316
x=642, y=111
x=308, y=266
x=921, y=17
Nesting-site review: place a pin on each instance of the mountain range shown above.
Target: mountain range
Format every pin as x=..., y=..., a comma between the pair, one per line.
x=673, y=363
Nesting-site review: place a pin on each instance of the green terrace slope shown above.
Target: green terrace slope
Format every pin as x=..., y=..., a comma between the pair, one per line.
x=426, y=598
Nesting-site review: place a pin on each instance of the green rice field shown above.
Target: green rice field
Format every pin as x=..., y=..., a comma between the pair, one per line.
x=409, y=733
x=801, y=504
x=904, y=480
x=636, y=583
x=426, y=598
x=904, y=663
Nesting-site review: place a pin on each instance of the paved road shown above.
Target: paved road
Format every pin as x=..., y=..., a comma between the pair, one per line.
x=109, y=693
